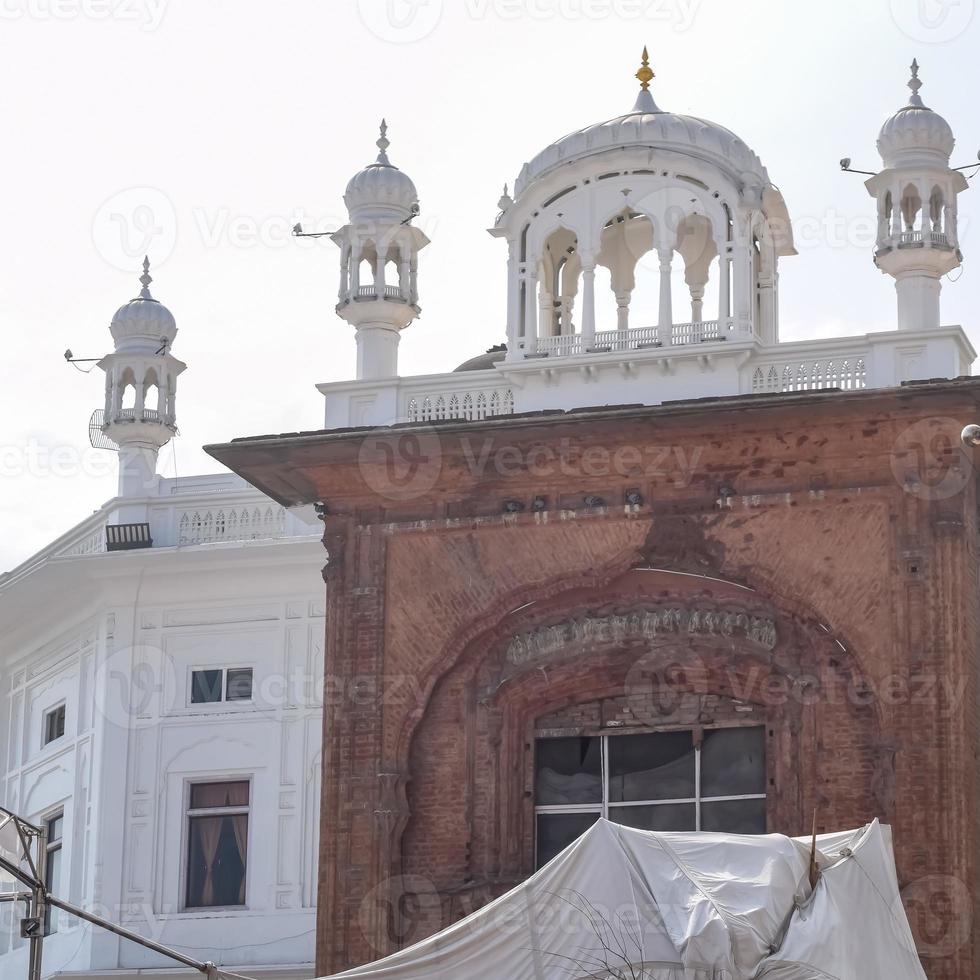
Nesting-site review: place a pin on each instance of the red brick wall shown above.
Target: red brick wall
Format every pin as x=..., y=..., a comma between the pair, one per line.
x=850, y=526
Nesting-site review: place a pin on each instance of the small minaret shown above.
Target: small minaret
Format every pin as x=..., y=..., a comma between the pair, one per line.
x=379, y=262
x=917, y=241
x=140, y=394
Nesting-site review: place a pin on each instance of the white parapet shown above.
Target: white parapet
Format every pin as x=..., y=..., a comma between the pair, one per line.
x=630, y=367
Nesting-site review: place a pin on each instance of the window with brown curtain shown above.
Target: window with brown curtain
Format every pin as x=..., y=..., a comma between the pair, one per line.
x=217, y=844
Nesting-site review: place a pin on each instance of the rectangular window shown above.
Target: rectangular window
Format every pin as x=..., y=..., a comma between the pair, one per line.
x=217, y=844
x=220, y=684
x=658, y=781
x=54, y=724
x=52, y=878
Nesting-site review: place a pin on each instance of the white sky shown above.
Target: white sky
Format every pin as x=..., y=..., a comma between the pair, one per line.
x=238, y=117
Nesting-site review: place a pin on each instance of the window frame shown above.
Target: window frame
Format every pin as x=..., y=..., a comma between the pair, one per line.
x=49, y=713
x=224, y=699
x=602, y=808
x=190, y=813
x=52, y=846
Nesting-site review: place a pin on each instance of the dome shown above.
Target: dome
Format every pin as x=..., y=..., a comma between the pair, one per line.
x=381, y=187
x=143, y=323
x=483, y=362
x=646, y=124
x=915, y=134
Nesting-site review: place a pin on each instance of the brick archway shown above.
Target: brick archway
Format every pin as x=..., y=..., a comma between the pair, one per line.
x=657, y=650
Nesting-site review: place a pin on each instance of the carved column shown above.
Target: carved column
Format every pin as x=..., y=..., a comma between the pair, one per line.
x=588, y=302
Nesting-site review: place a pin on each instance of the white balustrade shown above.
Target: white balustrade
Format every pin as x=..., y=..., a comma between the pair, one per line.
x=234, y=523
x=811, y=374
x=470, y=405
x=635, y=338
x=373, y=292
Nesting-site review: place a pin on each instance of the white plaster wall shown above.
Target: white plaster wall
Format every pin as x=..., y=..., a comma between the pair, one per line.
x=134, y=743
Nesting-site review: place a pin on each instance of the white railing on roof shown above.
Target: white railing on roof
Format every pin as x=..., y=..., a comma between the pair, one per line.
x=811, y=374
x=924, y=237
x=91, y=543
x=372, y=292
x=476, y=404
x=635, y=338
x=230, y=523
x=146, y=415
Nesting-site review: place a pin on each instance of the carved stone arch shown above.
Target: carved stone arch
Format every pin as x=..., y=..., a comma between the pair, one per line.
x=543, y=228
x=478, y=718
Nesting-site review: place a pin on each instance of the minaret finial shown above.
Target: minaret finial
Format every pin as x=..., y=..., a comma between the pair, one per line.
x=383, y=143
x=644, y=98
x=146, y=279
x=646, y=73
x=915, y=84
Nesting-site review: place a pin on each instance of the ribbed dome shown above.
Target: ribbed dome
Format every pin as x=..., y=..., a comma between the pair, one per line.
x=381, y=187
x=143, y=324
x=648, y=125
x=915, y=134
x=483, y=362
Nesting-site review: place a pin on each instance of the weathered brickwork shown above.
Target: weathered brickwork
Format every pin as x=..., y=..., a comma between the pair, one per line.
x=804, y=562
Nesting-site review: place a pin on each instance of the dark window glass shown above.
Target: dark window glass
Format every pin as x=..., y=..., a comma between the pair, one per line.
x=205, y=686
x=557, y=830
x=216, y=861
x=568, y=771
x=664, y=816
x=54, y=828
x=238, y=684
x=733, y=762
x=53, y=874
x=651, y=767
x=734, y=816
x=54, y=724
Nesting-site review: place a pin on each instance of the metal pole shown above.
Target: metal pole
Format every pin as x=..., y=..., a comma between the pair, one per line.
x=126, y=934
x=38, y=906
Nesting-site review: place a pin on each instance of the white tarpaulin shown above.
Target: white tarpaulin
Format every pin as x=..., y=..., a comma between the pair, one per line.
x=625, y=903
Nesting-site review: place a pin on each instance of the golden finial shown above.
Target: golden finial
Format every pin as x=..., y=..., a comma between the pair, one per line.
x=646, y=73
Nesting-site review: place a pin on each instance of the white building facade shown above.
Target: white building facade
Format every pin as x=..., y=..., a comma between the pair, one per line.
x=162, y=671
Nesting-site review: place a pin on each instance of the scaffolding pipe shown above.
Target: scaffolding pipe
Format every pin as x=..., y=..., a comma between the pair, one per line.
x=209, y=969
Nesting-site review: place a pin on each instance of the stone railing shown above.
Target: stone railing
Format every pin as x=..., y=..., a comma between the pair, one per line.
x=244, y=522
x=386, y=292
x=810, y=374
x=635, y=338
x=86, y=540
x=712, y=361
x=923, y=238
x=197, y=511
x=478, y=403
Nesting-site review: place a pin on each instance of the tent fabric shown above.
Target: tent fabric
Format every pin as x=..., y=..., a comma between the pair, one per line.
x=676, y=906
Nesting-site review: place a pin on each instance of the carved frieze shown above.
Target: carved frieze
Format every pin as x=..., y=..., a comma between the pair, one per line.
x=700, y=620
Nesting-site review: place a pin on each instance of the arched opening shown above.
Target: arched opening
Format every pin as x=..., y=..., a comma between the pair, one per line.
x=936, y=210
x=911, y=206
x=561, y=269
x=625, y=239
x=698, y=250
x=151, y=395
x=127, y=391
x=886, y=207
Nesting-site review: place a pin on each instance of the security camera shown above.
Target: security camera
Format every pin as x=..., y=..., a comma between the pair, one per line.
x=845, y=163
x=970, y=436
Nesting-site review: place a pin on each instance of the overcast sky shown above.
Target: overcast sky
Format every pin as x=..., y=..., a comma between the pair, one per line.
x=201, y=130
